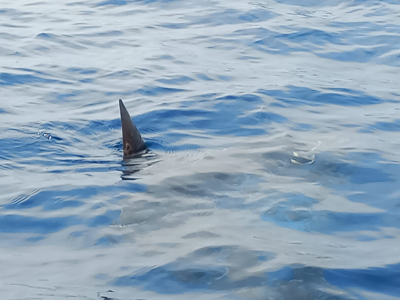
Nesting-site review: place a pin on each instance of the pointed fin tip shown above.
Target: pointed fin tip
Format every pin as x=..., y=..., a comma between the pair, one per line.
x=122, y=109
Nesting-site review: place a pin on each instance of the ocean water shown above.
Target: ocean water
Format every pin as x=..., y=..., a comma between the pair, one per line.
x=274, y=167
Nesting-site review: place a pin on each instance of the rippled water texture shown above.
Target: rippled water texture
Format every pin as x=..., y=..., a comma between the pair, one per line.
x=274, y=136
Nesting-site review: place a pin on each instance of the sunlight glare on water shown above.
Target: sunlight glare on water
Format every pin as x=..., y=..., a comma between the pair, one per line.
x=273, y=129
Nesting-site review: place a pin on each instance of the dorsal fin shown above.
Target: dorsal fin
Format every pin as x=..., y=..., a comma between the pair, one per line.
x=131, y=138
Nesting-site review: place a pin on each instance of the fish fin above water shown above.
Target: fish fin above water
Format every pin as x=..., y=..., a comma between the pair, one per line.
x=131, y=138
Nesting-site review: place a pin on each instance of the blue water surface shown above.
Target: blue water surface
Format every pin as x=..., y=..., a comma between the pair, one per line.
x=273, y=170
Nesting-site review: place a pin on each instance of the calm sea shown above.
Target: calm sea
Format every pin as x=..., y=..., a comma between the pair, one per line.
x=274, y=168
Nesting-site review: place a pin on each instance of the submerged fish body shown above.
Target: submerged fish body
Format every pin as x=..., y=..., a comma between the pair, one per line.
x=136, y=155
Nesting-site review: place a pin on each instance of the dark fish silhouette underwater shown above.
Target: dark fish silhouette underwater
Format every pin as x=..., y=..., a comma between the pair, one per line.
x=134, y=146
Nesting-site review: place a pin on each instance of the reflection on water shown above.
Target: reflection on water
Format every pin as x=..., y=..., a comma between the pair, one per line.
x=273, y=163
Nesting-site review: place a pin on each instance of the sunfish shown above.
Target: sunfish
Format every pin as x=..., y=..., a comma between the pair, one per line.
x=132, y=141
